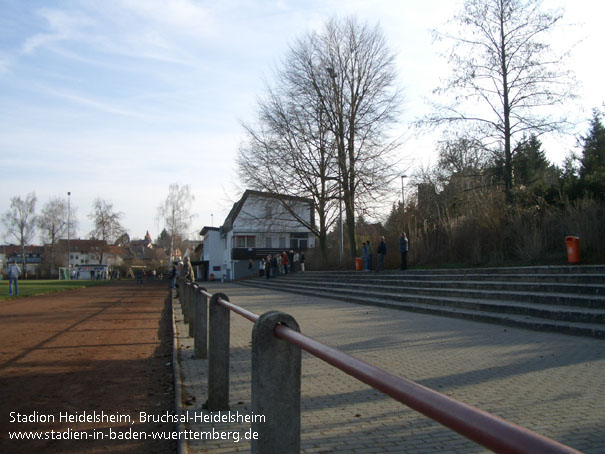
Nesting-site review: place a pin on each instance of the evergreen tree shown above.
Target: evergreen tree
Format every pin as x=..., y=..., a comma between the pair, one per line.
x=529, y=162
x=535, y=177
x=592, y=162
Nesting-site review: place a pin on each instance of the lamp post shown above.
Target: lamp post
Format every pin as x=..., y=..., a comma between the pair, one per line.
x=68, y=234
x=332, y=75
x=402, y=193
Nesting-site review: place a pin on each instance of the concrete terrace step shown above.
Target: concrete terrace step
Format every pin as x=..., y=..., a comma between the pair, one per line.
x=470, y=282
x=553, y=312
x=550, y=270
x=542, y=294
x=545, y=298
x=527, y=321
x=558, y=277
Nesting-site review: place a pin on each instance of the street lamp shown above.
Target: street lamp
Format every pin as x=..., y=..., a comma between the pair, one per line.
x=332, y=75
x=68, y=233
x=402, y=194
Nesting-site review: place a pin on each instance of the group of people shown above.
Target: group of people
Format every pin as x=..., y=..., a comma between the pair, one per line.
x=381, y=252
x=182, y=269
x=278, y=264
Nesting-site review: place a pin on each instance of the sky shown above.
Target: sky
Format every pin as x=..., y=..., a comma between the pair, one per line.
x=118, y=99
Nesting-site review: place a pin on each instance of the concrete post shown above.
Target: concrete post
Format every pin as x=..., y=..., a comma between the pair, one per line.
x=191, y=307
x=186, y=295
x=218, y=354
x=182, y=292
x=200, y=338
x=276, y=368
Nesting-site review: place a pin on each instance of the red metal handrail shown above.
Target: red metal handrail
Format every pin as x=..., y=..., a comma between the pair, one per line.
x=492, y=432
x=238, y=310
x=205, y=293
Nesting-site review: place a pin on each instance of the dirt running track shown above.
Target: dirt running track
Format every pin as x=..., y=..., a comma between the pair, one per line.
x=103, y=349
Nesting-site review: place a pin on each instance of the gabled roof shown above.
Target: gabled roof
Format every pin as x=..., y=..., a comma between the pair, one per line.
x=83, y=245
x=12, y=250
x=237, y=206
x=116, y=250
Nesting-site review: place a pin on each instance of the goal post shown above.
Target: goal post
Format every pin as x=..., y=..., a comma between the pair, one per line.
x=64, y=274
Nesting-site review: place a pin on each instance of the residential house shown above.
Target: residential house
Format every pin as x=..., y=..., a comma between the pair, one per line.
x=87, y=258
x=143, y=252
x=212, y=254
x=259, y=224
x=34, y=257
x=115, y=255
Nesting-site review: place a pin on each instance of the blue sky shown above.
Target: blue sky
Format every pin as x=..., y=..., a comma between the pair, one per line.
x=118, y=99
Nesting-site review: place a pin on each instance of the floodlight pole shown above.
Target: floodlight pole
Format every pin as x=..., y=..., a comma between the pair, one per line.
x=68, y=234
x=332, y=75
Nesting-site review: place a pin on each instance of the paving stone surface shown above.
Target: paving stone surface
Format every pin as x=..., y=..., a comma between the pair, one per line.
x=551, y=383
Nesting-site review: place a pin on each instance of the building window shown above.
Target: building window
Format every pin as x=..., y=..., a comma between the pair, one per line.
x=269, y=242
x=298, y=241
x=282, y=242
x=245, y=241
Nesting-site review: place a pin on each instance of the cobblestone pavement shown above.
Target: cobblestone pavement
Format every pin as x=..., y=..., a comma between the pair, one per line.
x=551, y=383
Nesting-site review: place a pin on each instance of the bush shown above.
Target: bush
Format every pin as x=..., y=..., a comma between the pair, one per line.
x=494, y=234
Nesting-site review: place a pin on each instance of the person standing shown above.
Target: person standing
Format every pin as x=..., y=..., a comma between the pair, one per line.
x=139, y=275
x=285, y=260
x=13, y=278
x=187, y=271
x=403, y=248
x=250, y=268
x=173, y=274
x=302, y=261
x=275, y=259
x=382, y=251
x=369, y=247
x=295, y=261
x=268, y=267
x=364, y=256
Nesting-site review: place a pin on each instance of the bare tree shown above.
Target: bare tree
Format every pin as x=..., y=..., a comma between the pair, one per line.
x=462, y=155
x=54, y=222
x=175, y=211
x=505, y=76
x=330, y=116
x=20, y=221
x=107, y=222
x=290, y=153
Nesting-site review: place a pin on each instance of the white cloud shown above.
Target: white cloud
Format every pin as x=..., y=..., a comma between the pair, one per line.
x=186, y=16
x=109, y=108
x=64, y=25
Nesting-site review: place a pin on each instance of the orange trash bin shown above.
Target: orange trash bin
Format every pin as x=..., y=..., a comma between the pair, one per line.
x=358, y=264
x=572, y=244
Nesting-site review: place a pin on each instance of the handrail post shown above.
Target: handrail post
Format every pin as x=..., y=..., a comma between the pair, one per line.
x=218, y=354
x=276, y=369
x=190, y=307
x=182, y=294
x=200, y=338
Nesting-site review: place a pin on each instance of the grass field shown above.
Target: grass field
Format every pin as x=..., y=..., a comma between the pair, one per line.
x=30, y=288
